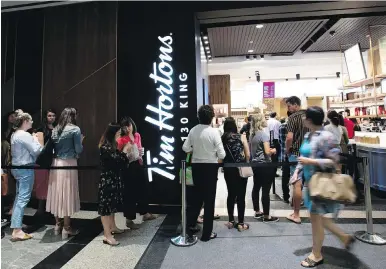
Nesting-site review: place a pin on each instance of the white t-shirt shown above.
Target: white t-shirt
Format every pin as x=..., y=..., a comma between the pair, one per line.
x=274, y=125
x=205, y=143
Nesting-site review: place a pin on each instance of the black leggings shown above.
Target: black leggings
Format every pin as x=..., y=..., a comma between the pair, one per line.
x=136, y=188
x=262, y=179
x=237, y=187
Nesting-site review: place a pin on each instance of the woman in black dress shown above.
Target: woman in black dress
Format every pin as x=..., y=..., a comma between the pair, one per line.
x=111, y=185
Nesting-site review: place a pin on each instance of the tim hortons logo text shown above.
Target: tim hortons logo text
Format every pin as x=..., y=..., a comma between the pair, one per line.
x=161, y=113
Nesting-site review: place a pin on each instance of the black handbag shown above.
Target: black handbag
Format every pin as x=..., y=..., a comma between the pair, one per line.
x=46, y=155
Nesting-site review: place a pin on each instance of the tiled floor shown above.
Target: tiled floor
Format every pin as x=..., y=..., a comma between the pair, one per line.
x=276, y=245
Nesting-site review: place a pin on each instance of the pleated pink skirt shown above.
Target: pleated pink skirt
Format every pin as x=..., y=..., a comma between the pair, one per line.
x=41, y=184
x=63, y=190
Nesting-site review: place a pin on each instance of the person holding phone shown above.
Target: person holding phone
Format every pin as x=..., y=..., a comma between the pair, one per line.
x=136, y=185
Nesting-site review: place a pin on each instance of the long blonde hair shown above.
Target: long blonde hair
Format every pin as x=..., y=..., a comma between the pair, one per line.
x=258, y=123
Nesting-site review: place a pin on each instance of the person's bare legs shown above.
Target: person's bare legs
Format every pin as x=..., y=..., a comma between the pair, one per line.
x=297, y=200
x=317, y=239
x=106, y=222
x=333, y=228
x=113, y=225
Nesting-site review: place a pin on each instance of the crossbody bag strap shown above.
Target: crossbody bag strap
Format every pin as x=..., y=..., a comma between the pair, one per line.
x=231, y=153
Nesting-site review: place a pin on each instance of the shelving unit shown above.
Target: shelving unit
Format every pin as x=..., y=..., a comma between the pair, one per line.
x=368, y=86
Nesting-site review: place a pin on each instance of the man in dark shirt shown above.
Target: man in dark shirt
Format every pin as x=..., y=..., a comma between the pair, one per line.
x=246, y=128
x=296, y=131
x=284, y=158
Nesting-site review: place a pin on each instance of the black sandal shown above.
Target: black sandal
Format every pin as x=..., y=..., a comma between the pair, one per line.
x=349, y=244
x=212, y=236
x=311, y=263
x=242, y=227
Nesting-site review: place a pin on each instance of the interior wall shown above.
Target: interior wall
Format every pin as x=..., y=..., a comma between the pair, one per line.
x=8, y=48
x=22, y=48
x=220, y=90
x=79, y=70
x=251, y=94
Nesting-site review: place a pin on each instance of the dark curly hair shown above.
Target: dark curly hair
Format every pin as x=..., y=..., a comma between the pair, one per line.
x=205, y=114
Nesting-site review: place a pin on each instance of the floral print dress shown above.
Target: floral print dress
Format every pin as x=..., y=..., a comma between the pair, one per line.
x=110, y=195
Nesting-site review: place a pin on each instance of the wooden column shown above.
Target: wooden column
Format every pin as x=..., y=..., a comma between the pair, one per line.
x=220, y=90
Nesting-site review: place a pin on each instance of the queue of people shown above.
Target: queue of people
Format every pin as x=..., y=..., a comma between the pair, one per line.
x=122, y=183
x=302, y=139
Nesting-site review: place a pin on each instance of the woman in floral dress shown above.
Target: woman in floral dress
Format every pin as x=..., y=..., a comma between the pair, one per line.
x=319, y=152
x=111, y=185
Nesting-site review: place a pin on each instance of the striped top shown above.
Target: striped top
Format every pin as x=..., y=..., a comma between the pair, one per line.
x=296, y=126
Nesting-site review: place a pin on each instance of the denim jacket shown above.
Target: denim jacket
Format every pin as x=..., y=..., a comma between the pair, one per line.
x=69, y=144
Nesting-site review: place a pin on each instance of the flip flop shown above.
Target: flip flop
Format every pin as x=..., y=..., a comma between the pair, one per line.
x=349, y=244
x=290, y=218
x=311, y=263
x=17, y=239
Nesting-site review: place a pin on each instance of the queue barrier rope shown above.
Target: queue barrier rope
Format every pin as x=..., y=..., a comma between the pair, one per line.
x=98, y=167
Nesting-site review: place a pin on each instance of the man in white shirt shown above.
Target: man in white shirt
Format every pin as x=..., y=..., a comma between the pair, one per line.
x=273, y=126
x=204, y=142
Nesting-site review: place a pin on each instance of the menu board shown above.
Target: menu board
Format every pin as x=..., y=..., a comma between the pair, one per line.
x=268, y=90
x=354, y=62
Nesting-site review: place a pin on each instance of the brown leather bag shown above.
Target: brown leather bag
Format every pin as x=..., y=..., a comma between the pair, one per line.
x=339, y=188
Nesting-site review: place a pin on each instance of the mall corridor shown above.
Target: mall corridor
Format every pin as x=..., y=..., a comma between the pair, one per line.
x=274, y=245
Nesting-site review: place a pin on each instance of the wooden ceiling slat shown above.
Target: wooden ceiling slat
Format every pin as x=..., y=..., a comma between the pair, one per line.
x=272, y=38
x=350, y=31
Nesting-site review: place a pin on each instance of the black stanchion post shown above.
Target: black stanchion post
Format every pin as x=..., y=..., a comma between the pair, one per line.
x=273, y=195
x=180, y=240
x=369, y=236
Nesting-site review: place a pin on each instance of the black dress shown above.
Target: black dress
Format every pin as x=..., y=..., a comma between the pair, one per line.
x=111, y=186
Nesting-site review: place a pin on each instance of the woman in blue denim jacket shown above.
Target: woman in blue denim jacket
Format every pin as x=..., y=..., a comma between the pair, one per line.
x=24, y=150
x=63, y=190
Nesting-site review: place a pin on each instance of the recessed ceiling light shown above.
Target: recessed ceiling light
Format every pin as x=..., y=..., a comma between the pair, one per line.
x=259, y=26
x=205, y=37
x=250, y=42
x=207, y=48
x=210, y=60
x=206, y=42
x=250, y=51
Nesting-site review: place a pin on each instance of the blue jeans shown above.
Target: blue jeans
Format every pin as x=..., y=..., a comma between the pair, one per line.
x=292, y=158
x=24, y=183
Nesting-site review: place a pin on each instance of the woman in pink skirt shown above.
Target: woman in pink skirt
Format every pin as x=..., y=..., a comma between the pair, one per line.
x=63, y=190
x=43, y=133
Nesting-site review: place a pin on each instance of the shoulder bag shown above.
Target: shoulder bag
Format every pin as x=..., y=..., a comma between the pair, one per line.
x=46, y=155
x=244, y=172
x=338, y=188
x=188, y=171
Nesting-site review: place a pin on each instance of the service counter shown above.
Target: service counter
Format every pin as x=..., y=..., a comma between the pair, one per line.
x=376, y=155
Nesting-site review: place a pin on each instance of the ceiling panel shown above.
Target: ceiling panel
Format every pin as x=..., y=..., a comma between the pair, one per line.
x=273, y=38
x=350, y=31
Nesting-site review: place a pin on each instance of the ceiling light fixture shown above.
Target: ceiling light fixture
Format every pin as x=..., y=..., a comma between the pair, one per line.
x=205, y=37
x=251, y=42
x=259, y=26
x=250, y=51
x=206, y=42
x=207, y=48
